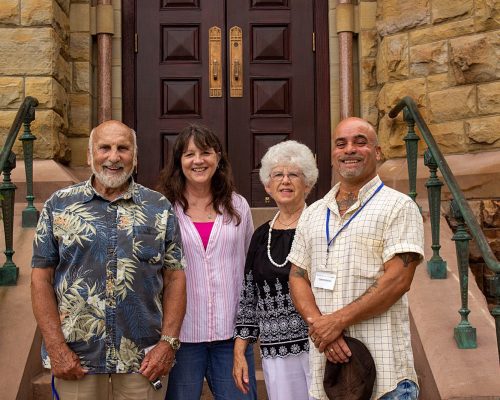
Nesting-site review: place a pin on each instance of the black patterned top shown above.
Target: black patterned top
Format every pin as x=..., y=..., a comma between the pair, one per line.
x=265, y=308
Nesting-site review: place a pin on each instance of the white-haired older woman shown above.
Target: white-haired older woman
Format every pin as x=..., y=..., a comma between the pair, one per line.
x=288, y=173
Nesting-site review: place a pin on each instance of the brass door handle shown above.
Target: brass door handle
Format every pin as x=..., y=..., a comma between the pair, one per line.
x=215, y=70
x=215, y=57
x=236, y=65
x=236, y=70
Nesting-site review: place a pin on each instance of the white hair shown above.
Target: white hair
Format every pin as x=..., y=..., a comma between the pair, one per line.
x=289, y=153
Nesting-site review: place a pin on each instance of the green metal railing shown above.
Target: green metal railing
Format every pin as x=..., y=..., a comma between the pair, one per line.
x=465, y=334
x=9, y=272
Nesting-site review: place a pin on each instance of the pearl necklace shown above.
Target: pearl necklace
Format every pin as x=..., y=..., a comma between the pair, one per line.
x=271, y=224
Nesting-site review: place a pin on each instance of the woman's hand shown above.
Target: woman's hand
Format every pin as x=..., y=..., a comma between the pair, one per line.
x=240, y=365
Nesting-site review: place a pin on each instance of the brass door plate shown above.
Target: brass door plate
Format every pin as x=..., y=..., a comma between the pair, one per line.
x=236, y=60
x=215, y=64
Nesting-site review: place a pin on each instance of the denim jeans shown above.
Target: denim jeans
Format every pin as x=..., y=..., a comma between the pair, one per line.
x=213, y=361
x=406, y=390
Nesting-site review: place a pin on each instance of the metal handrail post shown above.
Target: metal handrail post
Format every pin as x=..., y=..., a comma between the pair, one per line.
x=465, y=334
x=30, y=213
x=9, y=272
x=411, y=140
x=436, y=266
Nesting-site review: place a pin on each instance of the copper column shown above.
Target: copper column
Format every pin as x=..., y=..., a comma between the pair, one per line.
x=104, y=57
x=345, y=30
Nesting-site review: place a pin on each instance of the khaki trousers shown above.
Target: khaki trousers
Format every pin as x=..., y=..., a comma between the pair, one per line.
x=110, y=387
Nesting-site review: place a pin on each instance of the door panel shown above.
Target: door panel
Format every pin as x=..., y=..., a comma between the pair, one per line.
x=278, y=101
x=273, y=63
x=172, y=77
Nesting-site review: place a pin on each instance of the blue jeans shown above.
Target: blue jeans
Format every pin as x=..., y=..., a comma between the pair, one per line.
x=213, y=361
x=406, y=390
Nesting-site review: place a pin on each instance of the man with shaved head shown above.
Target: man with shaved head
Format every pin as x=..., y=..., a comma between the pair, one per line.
x=353, y=259
x=108, y=284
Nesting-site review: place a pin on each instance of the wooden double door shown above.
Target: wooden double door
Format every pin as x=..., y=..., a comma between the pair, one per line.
x=245, y=68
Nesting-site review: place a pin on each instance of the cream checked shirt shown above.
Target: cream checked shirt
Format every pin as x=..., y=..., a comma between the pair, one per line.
x=390, y=223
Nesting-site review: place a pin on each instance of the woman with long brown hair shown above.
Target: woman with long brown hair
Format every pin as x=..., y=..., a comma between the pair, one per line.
x=216, y=227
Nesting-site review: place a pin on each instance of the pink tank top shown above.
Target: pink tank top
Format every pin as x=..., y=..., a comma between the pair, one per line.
x=204, y=229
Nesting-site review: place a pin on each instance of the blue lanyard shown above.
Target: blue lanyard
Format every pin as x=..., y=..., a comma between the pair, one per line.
x=328, y=241
x=55, y=395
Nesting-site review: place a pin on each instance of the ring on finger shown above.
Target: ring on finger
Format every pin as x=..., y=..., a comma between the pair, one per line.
x=331, y=350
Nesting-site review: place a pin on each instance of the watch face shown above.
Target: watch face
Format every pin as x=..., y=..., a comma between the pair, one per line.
x=176, y=343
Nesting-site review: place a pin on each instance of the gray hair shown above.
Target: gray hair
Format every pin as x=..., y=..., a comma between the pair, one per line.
x=289, y=153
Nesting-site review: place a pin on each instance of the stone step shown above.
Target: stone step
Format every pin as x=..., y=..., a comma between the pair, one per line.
x=41, y=386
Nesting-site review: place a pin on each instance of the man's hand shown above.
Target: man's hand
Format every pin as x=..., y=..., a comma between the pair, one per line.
x=65, y=363
x=338, y=351
x=158, y=362
x=325, y=329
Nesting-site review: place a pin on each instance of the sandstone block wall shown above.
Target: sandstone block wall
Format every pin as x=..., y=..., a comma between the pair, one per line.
x=82, y=89
x=48, y=52
x=34, y=48
x=443, y=53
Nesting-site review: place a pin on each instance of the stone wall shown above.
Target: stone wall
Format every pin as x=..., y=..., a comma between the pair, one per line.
x=34, y=48
x=81, y=90
x=443, y=53
x=48, y=52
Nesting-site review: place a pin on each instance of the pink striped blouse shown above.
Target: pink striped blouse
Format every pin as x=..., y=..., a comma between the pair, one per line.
x=214, y=276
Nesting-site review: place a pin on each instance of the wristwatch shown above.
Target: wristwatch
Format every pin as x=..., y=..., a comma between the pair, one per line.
x=172, y=341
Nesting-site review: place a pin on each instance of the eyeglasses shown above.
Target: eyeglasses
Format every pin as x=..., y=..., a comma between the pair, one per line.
x=279, y=176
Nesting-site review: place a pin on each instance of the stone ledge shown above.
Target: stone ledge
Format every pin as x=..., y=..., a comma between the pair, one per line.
x=18, y=330
x=48, y=176
x=446, y=372
x=478, y=175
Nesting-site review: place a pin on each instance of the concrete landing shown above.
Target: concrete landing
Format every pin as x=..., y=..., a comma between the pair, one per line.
x=17, y=324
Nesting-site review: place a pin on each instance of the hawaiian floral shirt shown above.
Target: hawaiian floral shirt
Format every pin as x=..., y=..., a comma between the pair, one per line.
x=108, y=258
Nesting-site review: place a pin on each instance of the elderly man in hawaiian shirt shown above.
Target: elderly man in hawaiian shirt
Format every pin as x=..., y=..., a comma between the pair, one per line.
x=108, y=285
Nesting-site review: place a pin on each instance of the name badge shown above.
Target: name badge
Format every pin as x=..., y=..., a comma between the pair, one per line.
x=325, y=280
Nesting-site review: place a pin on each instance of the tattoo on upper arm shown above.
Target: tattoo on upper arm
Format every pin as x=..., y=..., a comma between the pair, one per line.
x=298, y=272
x=408, y=258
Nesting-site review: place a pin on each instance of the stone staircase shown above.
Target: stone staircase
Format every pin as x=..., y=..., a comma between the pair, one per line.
x=445, y=372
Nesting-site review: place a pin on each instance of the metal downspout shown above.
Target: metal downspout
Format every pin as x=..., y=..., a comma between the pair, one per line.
x=345, y=31
x=104, y=57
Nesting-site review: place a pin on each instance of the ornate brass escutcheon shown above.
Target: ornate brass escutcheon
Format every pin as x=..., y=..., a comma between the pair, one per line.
x=215, y=65
x=236, y=57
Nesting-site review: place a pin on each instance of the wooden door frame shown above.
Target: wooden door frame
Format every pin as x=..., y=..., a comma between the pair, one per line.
x=322, y=83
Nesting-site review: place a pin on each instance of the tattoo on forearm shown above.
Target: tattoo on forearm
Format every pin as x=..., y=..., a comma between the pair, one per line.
x=298, y=272
x=408, y=258
x=368, y=291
